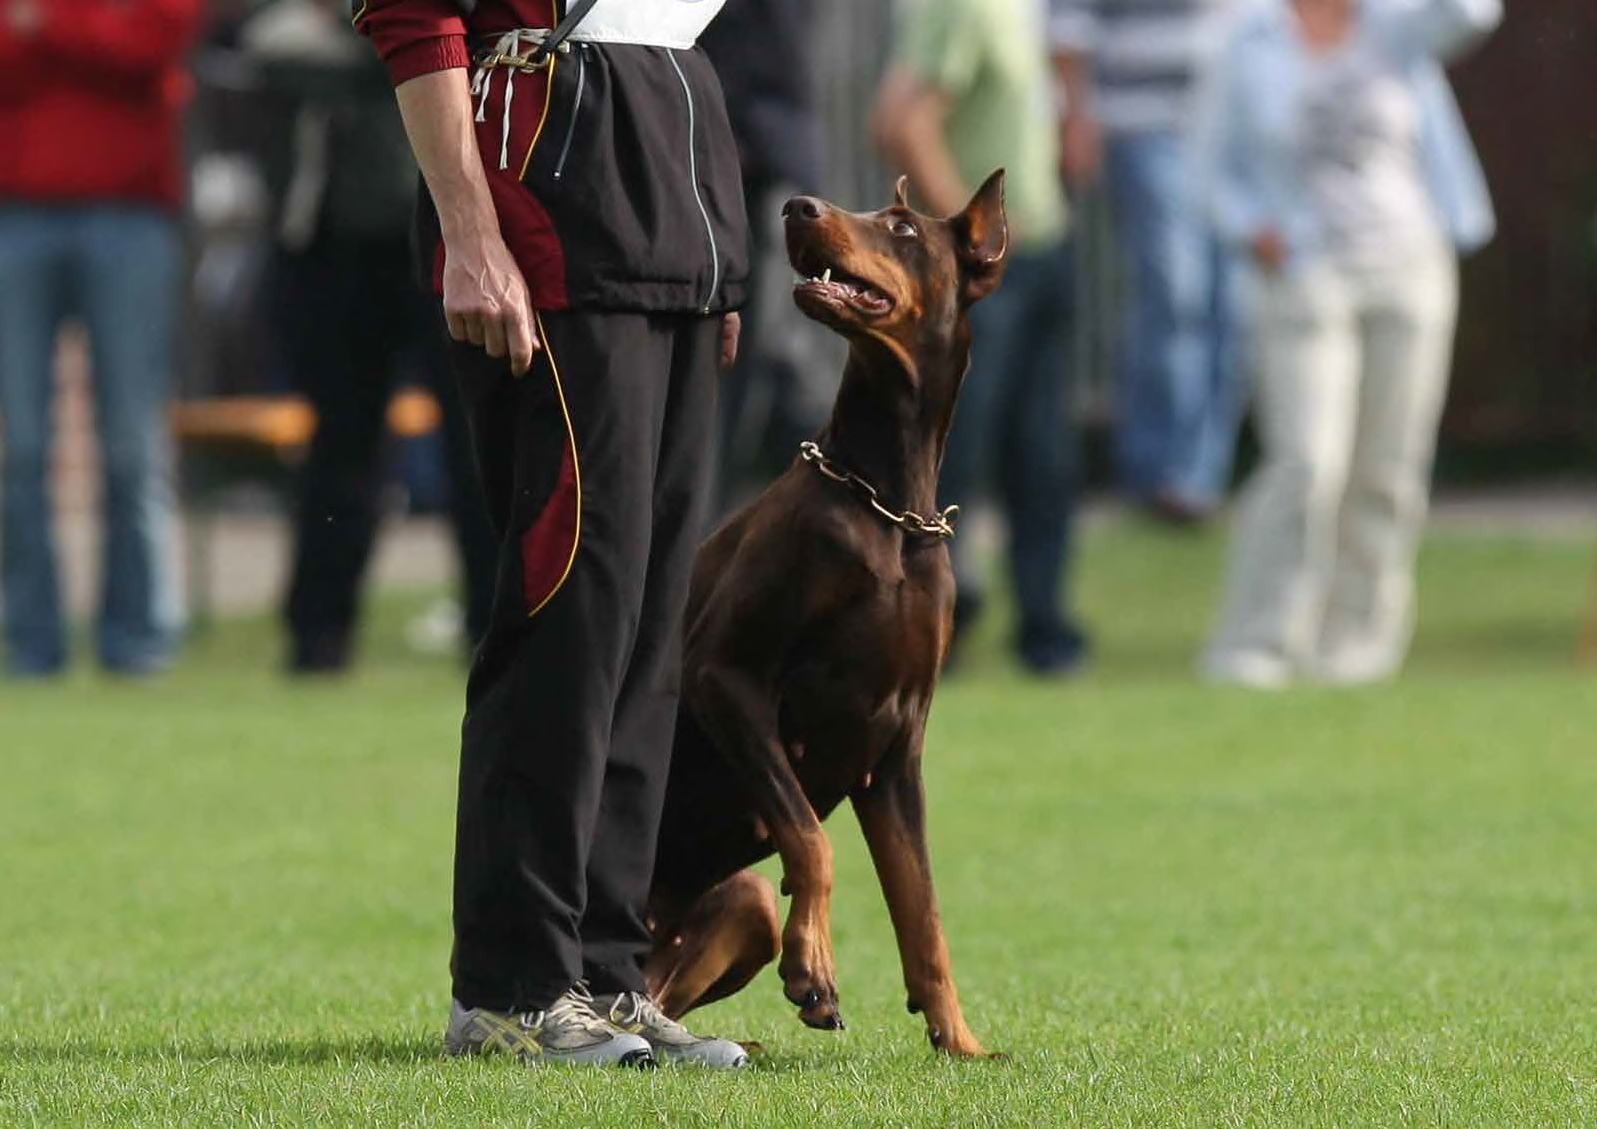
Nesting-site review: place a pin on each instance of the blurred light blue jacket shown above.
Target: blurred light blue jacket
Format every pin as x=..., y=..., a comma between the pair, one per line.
x=1248, y=179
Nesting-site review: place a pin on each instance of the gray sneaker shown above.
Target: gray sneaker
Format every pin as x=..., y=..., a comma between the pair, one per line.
x=568, y=1031
x=637, y=1014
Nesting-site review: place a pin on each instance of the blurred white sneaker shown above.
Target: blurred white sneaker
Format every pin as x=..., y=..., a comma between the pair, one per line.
x=1250, y=670
x=438, y=630
x=1353, y=669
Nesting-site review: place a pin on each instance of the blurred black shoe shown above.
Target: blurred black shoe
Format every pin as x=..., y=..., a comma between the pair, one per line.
x=1175, y=512
x=1052, y=649
x=320, y=655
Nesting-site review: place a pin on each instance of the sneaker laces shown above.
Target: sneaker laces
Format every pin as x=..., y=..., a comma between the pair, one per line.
x=572, y=1010
x=637, y=1009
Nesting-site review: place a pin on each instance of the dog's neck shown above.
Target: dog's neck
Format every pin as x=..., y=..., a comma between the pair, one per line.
x=891, y=428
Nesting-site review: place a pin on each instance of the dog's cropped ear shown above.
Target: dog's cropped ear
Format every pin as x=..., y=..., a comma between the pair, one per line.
x=983, y=234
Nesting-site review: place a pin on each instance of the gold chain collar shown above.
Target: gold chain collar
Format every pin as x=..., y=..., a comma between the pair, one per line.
x=939, y=525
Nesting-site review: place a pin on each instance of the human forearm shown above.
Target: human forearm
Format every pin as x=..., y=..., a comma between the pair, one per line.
x=1072, y=71
x=908, y=127
x=438, y=118
x=925, y=158
x=1080, y=139
x=485, y=296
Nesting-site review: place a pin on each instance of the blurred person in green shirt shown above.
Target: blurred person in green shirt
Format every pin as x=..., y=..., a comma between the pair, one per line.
x=968, y=91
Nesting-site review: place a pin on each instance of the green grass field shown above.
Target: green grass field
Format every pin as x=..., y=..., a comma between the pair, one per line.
x=223, y=899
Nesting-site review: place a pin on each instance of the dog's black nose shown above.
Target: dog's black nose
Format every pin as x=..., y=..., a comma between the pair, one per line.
x=802, y=208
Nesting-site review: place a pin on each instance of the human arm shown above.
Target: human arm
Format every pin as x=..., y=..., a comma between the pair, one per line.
x=1442, y=29
x=485, y=296
x=1226, y=179
x=1073, y=33
x=938, y=52
x=907, y=124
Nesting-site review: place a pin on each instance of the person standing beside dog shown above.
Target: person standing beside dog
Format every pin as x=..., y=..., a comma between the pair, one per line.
x=584, y=225
x=91, y=176
x=968, y=91
x=1335, y=157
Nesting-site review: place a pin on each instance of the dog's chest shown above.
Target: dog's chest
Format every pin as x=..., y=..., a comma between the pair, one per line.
x=856, y=694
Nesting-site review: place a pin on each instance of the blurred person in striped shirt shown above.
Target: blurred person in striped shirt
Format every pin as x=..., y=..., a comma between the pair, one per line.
x=1128, y=71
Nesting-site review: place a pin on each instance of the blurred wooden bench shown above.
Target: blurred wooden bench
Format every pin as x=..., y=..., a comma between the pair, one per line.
x=228, y=439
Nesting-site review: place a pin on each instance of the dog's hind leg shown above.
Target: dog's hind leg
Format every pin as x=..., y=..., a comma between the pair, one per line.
x=717, y=947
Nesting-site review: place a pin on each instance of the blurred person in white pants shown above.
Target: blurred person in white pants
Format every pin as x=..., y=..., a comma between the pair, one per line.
x=1332, y=152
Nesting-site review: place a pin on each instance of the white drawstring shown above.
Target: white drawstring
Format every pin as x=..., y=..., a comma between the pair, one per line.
x=509, y=46
x=504, y=128
x=479, y=86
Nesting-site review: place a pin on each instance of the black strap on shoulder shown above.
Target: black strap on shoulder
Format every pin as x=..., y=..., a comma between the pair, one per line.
x=574, y=15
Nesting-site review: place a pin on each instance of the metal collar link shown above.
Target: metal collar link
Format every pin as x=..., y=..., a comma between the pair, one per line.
x=939, y=525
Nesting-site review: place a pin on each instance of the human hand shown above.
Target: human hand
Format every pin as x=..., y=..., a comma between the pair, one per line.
x=1268, y=251
x=731, y=330
x=486, y=301
x=1080, y=150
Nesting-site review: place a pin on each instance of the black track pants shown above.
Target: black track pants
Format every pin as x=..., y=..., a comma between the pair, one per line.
x=595, y=466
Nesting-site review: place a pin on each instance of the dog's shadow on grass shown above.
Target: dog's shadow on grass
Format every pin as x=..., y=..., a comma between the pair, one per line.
x=368, y=1049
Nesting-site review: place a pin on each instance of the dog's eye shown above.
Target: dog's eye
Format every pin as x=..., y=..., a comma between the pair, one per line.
x=904, y=229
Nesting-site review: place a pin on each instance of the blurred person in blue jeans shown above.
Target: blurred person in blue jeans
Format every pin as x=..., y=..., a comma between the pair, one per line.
x=91, y=172
x=968, y=92
x=1334, y=155
x=1128, y=70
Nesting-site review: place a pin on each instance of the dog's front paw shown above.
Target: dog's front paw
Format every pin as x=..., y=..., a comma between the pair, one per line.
x=814, y=994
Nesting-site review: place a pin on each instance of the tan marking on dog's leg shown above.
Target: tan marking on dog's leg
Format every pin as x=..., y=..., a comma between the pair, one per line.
x=726, y=937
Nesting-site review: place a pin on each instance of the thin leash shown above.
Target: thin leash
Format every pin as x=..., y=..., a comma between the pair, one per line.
x=939, y=525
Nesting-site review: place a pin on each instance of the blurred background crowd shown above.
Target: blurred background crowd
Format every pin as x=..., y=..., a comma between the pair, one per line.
x=1271, y=262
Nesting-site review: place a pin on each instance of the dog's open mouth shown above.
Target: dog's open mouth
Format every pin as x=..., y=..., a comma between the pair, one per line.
x=837, y=288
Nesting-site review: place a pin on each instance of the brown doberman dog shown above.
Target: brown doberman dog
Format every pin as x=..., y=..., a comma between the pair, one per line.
x=817, y=626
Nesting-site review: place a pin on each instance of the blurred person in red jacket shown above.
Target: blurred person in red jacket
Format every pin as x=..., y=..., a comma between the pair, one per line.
x=91, y=172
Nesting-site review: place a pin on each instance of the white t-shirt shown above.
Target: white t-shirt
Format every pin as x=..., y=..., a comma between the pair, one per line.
x=1359, y=132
